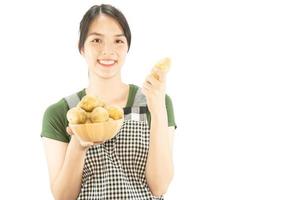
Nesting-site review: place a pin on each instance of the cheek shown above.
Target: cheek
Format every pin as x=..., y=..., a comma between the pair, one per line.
x=90, y=55
x=122, y=51
x=90, y=60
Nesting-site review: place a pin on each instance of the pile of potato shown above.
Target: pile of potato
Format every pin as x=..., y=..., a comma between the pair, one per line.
x=91, y=109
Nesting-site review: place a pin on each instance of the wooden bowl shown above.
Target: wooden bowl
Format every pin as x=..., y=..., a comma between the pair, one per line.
x=97, y=132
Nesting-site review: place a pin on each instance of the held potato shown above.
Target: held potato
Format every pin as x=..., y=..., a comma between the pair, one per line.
x=163, y=64
x=76, y=115
x=88, y=103
x=115, y=112
x=99, y=114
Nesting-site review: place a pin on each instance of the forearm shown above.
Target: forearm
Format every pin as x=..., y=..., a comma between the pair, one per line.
x=159, y=167
x=68, y=181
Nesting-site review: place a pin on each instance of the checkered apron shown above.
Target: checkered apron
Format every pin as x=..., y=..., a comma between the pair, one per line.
x=116, y=169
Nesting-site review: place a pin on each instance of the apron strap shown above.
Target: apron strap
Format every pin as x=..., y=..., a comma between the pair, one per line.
x=140, y=99
x=72, y=100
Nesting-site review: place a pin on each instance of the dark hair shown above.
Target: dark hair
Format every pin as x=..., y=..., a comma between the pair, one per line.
x=94, y=12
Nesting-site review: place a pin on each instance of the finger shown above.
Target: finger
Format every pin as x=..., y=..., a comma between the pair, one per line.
x=83, y=143
x=148, y=79
x=86, y=144
x=147, y=85
x=145, y=91
x=69, y=131
x=95, y=143
x=154, y=74
x=154, y=82
x=161, y=74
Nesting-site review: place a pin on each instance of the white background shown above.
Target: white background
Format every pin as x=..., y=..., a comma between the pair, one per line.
x=234, y=84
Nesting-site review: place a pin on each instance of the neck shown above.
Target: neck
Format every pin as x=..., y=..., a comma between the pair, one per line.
x=112, y=90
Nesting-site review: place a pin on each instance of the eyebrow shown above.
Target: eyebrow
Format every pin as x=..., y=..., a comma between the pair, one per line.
x=100, y=34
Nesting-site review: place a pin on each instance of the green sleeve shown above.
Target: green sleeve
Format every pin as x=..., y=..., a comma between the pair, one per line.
x=55, y=122
x=170, y=112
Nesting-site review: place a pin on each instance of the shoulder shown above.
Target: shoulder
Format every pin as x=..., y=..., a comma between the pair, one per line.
x=57, y=108
x=61, y=107
x=55, y=121
x=55, y=116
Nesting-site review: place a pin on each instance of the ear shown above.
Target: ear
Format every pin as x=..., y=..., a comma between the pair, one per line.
x=82, y=51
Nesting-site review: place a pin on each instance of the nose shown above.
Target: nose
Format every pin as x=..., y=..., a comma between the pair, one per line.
x=107, y=50
x=106, y=53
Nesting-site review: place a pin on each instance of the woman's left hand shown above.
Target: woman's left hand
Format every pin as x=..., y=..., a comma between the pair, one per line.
x=154, y=90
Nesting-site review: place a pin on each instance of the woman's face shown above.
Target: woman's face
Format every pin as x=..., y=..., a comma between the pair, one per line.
x=105, y=47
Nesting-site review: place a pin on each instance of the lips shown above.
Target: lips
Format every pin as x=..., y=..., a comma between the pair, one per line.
x=106, y=62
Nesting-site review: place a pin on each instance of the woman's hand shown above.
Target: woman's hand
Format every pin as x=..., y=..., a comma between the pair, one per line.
x=154, y=89
x=82, y=143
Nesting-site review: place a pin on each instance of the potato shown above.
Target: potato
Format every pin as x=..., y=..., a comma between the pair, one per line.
x=88, y=118
x=88, y=103
x=99, y=114
x=88, y=121
x=115, y=112
x=76, y=115
x=163, y=64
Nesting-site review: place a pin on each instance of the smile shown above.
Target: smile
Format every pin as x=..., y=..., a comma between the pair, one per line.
x=106, y=62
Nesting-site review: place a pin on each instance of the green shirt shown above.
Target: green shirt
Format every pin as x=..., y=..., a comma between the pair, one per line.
x=55, y=120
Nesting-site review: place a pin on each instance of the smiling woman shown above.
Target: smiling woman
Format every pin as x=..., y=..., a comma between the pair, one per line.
x=137, y=162
x=106, y=33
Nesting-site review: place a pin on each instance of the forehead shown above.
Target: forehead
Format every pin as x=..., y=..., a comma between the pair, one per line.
x=106, y=25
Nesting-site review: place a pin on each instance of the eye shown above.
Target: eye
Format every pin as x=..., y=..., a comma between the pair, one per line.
x=119, y=41
x=96, y=40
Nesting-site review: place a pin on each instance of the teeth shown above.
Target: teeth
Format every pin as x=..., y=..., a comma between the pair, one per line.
x=107, y=62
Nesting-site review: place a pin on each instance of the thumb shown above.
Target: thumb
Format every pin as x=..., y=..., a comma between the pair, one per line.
x=69, y=131
x=86, y=144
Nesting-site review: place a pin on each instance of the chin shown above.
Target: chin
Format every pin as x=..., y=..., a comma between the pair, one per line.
x=106, y=75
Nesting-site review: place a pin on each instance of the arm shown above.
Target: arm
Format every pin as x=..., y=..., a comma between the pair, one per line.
x=159, y=167
x=65, y=166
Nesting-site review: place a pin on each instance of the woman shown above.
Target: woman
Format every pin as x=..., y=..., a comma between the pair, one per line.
x=137, y=162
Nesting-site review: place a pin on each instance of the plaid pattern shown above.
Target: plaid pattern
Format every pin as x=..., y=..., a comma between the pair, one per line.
x=115, y=170
x=135, y=113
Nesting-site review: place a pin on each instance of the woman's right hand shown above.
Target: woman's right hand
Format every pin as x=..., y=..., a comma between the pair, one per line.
x=83, y=144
